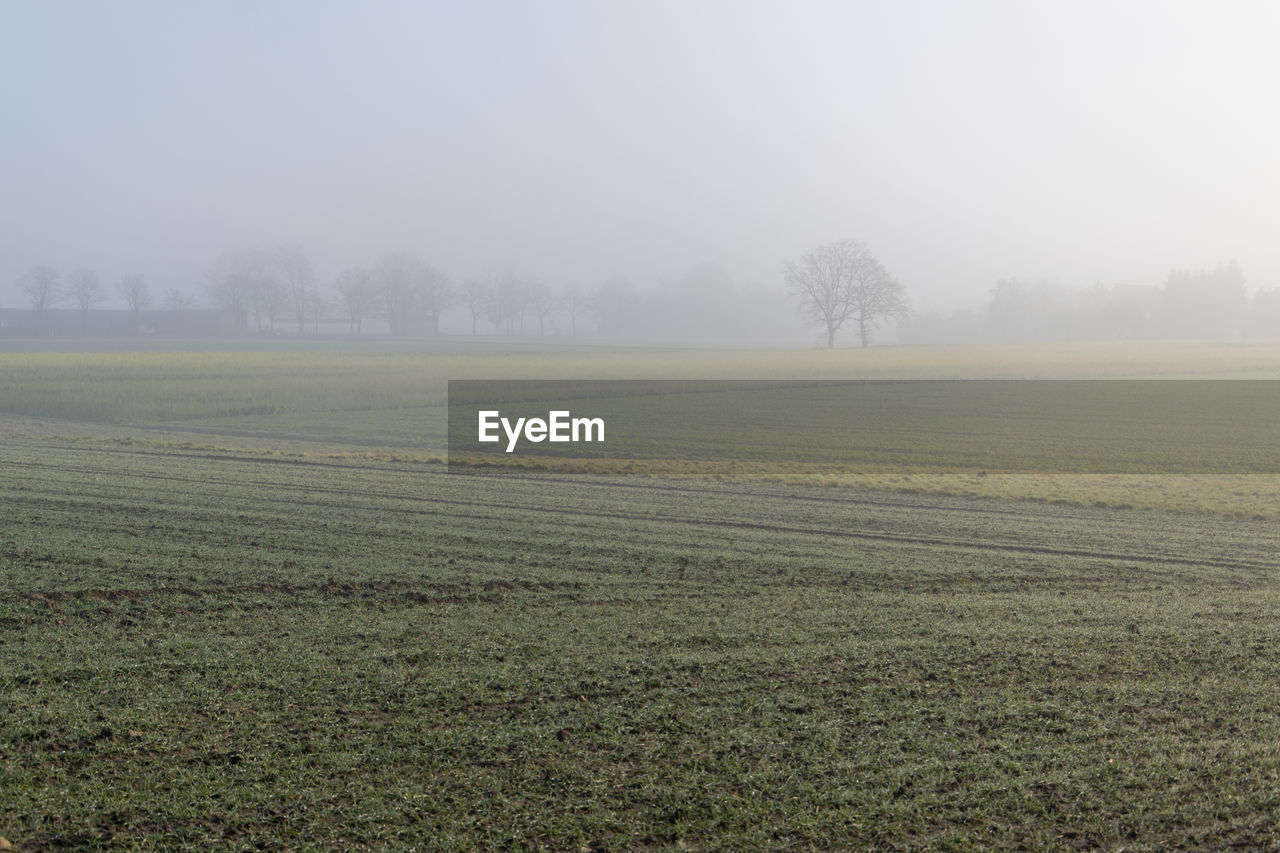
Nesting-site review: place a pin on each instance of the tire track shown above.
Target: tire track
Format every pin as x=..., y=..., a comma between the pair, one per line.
x=772, y=504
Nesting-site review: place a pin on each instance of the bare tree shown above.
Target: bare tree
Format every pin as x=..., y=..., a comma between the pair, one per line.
x=228, y=287
x=255, y=270
x=574, y=300
x=475, y=295
x=354, y=289
x=543, y=301
x=241, y=282
x=842, y=281
x=40, y=284
x=821, y=281
x=413, y=292
x=266, y=299
x=496, y=304
x=506, y=302
x=177, y=300
x=86, y=291
x=396, y=280
x=136, y=294
x=437, y=294
x=317, y=305
x=875, y=295
x=297, y=280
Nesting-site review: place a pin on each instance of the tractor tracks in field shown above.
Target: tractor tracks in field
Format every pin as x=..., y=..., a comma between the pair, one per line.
x=910, y=540
x=423, y=592
x=947, y=503
x=590, y=498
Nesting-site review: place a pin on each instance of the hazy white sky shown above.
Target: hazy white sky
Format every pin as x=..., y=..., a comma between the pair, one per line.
x=963, y=141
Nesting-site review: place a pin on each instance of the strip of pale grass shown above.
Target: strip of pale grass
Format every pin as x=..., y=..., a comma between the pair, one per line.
x=1255, y=496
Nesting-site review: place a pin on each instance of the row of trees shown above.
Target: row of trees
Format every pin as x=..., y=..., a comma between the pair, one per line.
x=264, y=287
x=838, y=286
x=1212, y=302
x=705, y=303
x=267, y=286
x=46, y=289
x=265, y=290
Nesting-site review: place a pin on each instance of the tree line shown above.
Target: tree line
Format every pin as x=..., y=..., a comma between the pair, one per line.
x=837, y=287
x=265, y=288
x=269, y=290
x=45, y=289
x=1207, y=303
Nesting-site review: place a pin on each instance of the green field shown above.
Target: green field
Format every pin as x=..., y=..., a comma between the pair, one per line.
x=245, y=607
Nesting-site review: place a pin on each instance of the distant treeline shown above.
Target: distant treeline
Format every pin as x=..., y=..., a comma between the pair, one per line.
x=1211, y=303
x=275, y=291
x=256, y=291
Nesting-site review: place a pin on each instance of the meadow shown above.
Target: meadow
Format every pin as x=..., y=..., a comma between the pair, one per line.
x=245, y=606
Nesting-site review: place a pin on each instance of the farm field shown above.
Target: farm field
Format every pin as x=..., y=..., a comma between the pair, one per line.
x=388, y=400
x=192, y=386
x=233, y=629
x=236, y=651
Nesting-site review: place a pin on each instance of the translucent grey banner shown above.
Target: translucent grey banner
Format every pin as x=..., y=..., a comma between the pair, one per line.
x=1140, y=426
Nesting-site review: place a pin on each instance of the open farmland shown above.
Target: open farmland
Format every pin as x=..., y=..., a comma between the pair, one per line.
x=215, y=638
x=235, y=387
x=388, y=401
x=242, y=651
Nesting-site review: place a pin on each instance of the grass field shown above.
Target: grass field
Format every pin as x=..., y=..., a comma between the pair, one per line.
x=228, y=630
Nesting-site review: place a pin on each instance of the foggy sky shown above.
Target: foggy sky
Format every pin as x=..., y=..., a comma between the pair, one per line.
x=575, y=141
